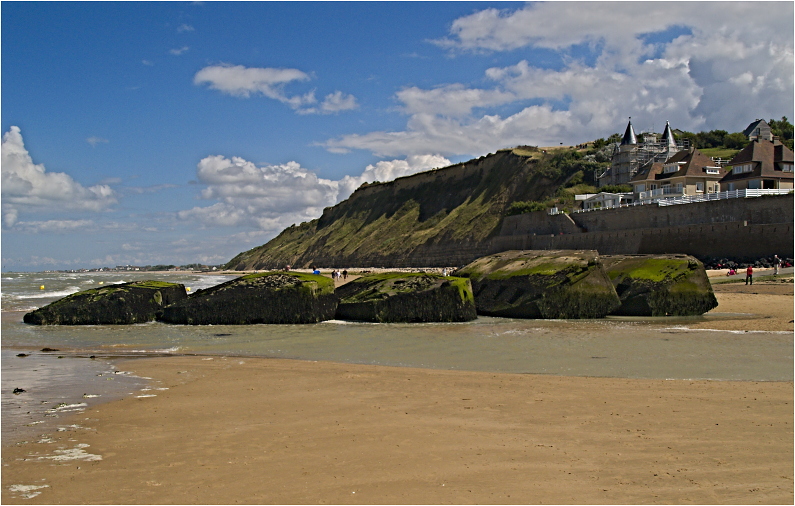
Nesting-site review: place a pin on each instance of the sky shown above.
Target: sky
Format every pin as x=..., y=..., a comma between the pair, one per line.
x=145, y=133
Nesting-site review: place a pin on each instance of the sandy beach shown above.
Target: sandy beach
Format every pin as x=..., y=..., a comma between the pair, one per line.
x=223, y=430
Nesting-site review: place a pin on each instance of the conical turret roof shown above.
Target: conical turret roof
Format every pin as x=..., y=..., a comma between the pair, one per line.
x=668, y=136
x=629, y=136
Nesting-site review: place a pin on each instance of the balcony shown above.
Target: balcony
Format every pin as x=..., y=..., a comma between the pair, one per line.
x=668, y=191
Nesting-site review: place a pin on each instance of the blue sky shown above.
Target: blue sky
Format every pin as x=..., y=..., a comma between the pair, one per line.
x=163, y=132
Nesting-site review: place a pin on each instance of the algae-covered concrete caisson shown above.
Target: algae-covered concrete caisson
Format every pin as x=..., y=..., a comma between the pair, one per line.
x=660, y=285
x=120, y=304
x=267, y=297
x=406, y=297
x=541, y=284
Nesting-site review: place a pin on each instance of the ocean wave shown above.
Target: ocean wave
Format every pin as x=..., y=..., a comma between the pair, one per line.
x=44, y=294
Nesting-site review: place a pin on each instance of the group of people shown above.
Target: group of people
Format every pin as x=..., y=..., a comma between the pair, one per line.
x=336, y=275
x=749, y=272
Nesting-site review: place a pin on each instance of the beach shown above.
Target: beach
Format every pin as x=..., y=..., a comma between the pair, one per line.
x=231, y=429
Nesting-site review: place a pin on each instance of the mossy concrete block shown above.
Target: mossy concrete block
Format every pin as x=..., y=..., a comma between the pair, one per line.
x=407, y=298
x=541, y=284
x=660, y=285
x=269, y=297
x=126, y=303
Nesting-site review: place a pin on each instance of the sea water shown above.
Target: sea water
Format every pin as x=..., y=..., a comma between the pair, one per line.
x=70, y=379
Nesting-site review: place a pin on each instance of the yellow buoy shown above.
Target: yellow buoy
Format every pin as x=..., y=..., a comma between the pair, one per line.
x=101, y=282
x=187, y=288
x=41, y=287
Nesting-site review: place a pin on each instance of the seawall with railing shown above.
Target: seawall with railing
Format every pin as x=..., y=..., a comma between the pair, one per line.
x=732, y=228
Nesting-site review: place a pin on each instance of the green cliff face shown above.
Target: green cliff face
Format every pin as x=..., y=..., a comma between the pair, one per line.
x=403, y=222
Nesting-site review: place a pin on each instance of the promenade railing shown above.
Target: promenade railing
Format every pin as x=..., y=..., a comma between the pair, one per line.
x=692, y=199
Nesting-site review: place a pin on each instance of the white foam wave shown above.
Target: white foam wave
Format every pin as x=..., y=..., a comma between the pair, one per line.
x=27, y=491
x=686, y=329
x=44, y=294
x=77, y=453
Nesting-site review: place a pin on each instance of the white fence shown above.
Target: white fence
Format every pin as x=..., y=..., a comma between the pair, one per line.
x=733, y=194
x=690, y=199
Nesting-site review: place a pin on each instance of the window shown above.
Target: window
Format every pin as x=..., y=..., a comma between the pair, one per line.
x=731, y=187
x=754, y=185
x=640, y=188
x=713, y=170
x=669, y=168
x=700, y=187
x=786, y=167
x=748, y=167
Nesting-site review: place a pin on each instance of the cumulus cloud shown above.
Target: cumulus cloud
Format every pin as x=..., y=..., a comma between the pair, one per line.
x=243, y=82
x=272, y=197
x=27, y=186
x=704, y=70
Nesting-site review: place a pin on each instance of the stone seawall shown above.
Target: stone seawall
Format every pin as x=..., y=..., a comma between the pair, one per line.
x=735, y=228
x=738, y=240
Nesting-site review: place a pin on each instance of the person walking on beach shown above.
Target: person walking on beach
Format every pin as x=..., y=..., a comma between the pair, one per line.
x=749, y=275
x=345, y=274
x=776, y=264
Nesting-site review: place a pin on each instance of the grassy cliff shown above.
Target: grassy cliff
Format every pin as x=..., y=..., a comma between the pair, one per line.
x=404, y=221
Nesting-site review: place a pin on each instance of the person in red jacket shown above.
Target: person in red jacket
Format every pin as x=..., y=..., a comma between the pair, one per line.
x=749, y=275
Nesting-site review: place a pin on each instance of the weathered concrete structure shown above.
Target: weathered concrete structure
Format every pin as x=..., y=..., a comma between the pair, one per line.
x=120, y=304
x=541, y=284
x=268, y=297
x=406, y=297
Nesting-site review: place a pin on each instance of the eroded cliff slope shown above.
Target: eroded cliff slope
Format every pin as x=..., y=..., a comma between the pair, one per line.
x=416, y=219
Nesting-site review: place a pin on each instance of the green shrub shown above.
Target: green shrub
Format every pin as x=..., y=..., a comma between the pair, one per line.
x=525, y=207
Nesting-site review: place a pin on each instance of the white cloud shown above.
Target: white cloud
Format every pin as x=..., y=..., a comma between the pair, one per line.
x=243, y=82
x=272, y=197
x=29, y=187
x=178, y=51
x=185, y=28
x=338, y=101
x=96, y=140
x=721, y=66
x=53, y=226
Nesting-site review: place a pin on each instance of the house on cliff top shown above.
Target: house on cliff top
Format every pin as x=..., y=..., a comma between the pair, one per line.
x=688, y=172
x=758, y=130
x=761, y=165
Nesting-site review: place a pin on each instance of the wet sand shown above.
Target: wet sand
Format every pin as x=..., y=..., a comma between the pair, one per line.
x=229, y=430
